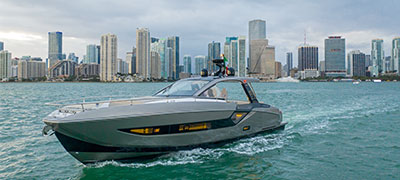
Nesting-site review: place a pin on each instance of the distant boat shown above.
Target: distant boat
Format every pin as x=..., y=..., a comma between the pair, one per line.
x=287, y=79
x=377, y=81
x=356, y=82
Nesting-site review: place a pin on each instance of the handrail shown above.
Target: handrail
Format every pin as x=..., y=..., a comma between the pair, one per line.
x=84, y=100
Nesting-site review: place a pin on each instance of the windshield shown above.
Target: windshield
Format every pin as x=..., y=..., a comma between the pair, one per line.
x=183, y=88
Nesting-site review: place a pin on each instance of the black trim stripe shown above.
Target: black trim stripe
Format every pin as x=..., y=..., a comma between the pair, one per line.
x=75, y=145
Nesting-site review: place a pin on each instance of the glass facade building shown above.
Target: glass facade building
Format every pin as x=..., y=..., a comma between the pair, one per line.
x=396, y=55
x=335, y=54
x=356, y=63
x=187, y=64
x=92, y=54
x=55, y=47
x=173, y=43
x=289, y=62
x=377, y=57
x=308, y=58
x=214, y=52
x=200, y=63
x=1, y=46
x=257, y=30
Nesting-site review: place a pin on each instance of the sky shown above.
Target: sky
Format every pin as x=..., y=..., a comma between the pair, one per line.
x=24, y=24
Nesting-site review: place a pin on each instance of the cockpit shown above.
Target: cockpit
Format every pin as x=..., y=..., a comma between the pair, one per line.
x=229, y=89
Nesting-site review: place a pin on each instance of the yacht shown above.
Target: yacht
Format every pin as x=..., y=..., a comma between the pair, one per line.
x=205, y=112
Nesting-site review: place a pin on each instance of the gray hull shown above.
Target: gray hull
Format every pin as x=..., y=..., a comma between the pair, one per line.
x=99, y=135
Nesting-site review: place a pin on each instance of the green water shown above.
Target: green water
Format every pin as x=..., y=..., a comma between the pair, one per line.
x=335, y=131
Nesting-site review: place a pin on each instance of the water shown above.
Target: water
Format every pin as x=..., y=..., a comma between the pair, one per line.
x=335, y=131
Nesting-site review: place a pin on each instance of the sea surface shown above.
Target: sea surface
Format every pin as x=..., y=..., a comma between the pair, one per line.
x=334, y=131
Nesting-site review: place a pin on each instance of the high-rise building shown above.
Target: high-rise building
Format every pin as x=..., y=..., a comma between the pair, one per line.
x=335, y=54
x=92, y=54
x=241, y=69
x=289, y=62
x=187, y=64
x=257, y=30
x=308, y=58
x=55, y=47
x=98, y=54
x=227, y=48
x=377, y=57
x=155, y=65
x=263, y=60
x=200, y=63
x=356, y=63
x=143, y=52
x=168, y=62
x=278, y=69
x=122, y=66
x=368, y=61
x=214, y=52
x=28, y=69
x=160, y=47
x=396, y=55
x=173, y=43
x=5, y=65
x=108, y=57
x=235, y=53
x=131, y=60
x=1, y=46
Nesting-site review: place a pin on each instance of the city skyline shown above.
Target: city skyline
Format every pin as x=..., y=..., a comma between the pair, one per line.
x=334, y=19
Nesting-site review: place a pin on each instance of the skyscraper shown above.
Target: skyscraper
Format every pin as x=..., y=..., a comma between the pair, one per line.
x=98, y=54
x=308, y=58
x=377, y=57
x=214, y=52
x=143, y=52
x=160, y=47
x=155, y=65
x=173, y=43
x=368, y=61
x=108, y=57
x=396, y=55
x=257, y=30
x=235, y=53
x=263, y=59
x=5, y=64
x=356, y=63
x=91, y=54
x=335, y=54
x=200, y=63
x=289, y=62
x=242, y=70
x=131, y=60
x=227, y=48
x=1, y=46
x=55, y=47
x=187, y=63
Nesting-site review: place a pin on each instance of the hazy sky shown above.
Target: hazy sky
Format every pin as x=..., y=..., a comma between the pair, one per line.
x=24, y=23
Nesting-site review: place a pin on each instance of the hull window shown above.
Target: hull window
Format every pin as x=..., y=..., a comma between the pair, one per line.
x=184, y=128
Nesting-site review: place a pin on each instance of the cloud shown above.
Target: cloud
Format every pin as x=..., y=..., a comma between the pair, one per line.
x=197, y=22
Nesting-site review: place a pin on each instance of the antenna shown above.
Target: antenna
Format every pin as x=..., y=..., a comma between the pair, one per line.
x=305, y=37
